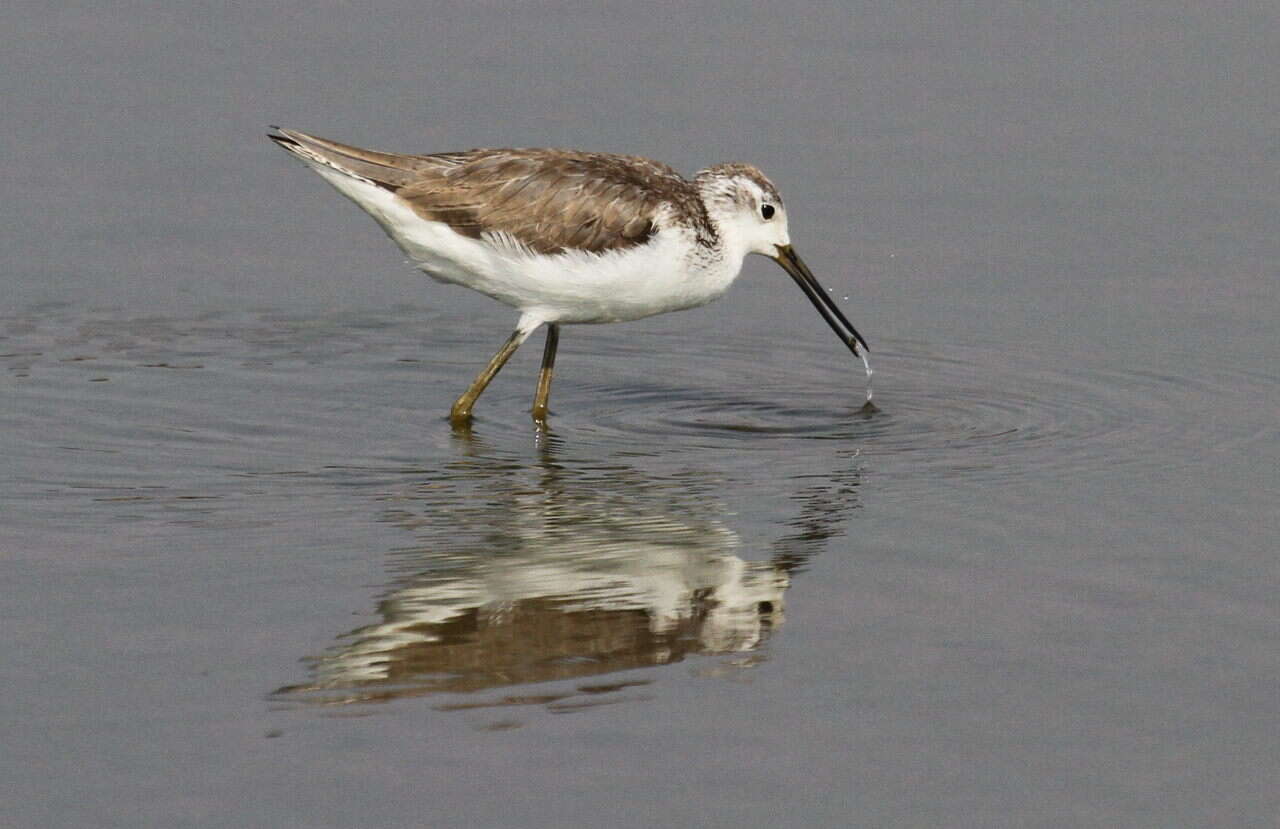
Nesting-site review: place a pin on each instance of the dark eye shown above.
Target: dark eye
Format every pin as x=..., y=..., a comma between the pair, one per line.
x=766, y=210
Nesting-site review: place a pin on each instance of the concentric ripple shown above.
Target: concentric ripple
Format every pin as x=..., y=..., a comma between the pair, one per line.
x=973, y=411
x=984, y=412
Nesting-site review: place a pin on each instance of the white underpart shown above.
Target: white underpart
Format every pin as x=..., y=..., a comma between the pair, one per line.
x=670, y=272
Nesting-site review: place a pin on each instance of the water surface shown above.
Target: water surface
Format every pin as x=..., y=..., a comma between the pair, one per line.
x=252, y=576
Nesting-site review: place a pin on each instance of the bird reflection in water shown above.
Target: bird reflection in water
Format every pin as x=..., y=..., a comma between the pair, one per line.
x=530, y=574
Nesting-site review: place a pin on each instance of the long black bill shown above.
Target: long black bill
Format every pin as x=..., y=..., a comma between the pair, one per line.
x=794, y=265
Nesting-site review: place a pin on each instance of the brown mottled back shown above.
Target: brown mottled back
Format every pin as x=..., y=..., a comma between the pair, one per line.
x=547, y=200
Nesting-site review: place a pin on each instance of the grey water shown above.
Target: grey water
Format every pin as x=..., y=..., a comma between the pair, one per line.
x=251, y=577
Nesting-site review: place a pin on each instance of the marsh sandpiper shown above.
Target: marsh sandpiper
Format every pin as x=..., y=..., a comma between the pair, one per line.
x=568, y=237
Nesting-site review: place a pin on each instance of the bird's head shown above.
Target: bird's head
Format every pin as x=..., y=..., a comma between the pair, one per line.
x=747, y=210
x=744, y=205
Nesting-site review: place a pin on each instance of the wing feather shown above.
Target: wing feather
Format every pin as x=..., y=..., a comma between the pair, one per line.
x=551, y=200
x=546, y=201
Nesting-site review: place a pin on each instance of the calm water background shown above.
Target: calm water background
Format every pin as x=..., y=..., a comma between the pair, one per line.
x=251, y=577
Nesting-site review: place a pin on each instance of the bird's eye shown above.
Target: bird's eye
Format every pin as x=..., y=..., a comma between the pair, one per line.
x=766, y=210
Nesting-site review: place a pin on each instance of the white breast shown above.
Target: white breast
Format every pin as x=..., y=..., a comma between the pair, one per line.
x=670, y=272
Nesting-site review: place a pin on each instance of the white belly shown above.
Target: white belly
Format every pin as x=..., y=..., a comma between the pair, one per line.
x=665, y=274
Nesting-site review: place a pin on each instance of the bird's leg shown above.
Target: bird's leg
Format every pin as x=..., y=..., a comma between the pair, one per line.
x=544, y=376
x=460, y=414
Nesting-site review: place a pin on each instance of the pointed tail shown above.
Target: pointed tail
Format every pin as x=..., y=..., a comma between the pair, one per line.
x=386, y=170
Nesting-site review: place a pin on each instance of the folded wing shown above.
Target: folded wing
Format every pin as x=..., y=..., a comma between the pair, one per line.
x=548, y=201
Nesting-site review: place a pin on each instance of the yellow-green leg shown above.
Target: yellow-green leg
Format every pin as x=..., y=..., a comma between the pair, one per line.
x=541, y=396
x=460, y=414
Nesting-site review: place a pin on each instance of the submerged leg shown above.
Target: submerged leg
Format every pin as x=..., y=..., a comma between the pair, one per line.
x=460, y=414
x=544, y=376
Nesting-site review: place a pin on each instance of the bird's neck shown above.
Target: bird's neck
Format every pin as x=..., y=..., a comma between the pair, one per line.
x=731, y=237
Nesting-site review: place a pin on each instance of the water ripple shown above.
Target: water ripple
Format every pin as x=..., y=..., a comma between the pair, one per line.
x=985, y=412
x=975, y=411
